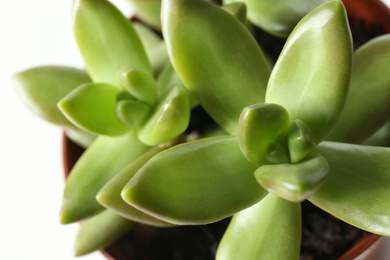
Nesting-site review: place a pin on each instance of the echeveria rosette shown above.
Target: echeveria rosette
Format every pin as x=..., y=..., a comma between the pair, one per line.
x=116, y=60
x=306, y=93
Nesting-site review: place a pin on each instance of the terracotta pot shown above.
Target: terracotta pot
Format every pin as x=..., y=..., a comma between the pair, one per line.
x=370, y=12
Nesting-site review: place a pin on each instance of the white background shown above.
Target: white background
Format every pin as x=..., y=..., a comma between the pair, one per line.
x=33, y=33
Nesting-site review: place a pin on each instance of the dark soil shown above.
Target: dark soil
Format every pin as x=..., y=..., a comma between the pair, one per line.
x=324, y=237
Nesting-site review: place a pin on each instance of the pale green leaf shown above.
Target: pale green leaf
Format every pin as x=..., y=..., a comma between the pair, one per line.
x=195, y=183
x=311, y=77
x=270, y=229
x=92, y=108
x=41, y=88
x=367, y=106
x=110, y=195
x=357, y=187
x=100, y=162
x=216, y=57
x=107, y=40
x=100, y=231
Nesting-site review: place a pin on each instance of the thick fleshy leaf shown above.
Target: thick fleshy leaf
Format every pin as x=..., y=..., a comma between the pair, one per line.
x=100, y=231
x=294, y=182
x=238, y=10
x=154, y=45
x=92, y=108
x=357, y=187
x=107, y=40
x=216, y=57
x=168, y=120
x=41, y=88
x=168, y=79
x=148, y=12
x=195, y=183
x=368, y=102
x=380, y=138
x=81, y=138
x=100, y=162
x=270, y=229
x=110, y=195
x=132, y=112
x=311, y=77
x=140, y=84
x=259, y=126
x=278, y=17
x=300, y=141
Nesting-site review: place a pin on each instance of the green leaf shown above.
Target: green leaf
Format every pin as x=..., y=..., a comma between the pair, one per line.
x=311, y=77
x=107, y=40
x=294, y=182
x=168, y=79
x=148, y=12
x=41, y=88
x=238, y=10
x=81, y=138
x=168, y=120
x=270, y=229
x=195, y=183
x=154, y=45
x=132, y=112
x=110, y=195
x=216, y=57
x=357, y=187
x=100, y=162
x=92, y=108
x=367, y=106
x=259, y=126
x=100, y=231
x=300, y=141
x=380, y=138
x=140, y=84
x=278, y=17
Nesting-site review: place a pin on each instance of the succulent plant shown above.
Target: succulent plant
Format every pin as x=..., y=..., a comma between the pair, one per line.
x=290, y=133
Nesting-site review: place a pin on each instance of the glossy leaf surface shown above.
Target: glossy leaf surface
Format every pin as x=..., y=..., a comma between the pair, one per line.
x=216, y=57
x=294, y=182
x=141, y=84
x=368, y=102
x=154, y=45
x=41, y=88
x=168, y=120
x=100, y=162
x=107, y=40
x=110, y=195
x=357, y=187
x=311, y=77
x=168, y=79
x=92, y=108
x=195, y=183
x=300, y=141
x=278, y=17
x=270, y=229
x=132, y=112
x=81, y=138
x=100, y=231
x=259, y=126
